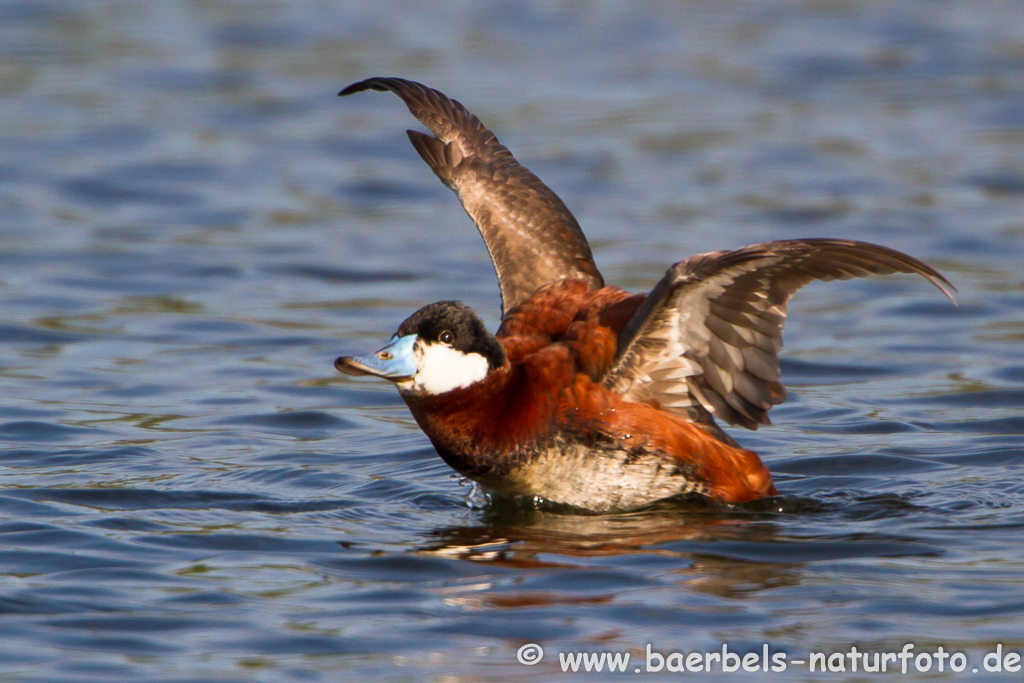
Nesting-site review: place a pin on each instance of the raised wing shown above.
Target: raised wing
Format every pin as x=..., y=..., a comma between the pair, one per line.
x=706, y=339
x=532, y=237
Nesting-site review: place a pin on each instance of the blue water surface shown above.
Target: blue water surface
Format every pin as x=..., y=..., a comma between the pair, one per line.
x=193, y=226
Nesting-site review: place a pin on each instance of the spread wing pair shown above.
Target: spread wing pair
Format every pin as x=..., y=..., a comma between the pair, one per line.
x=705, y=342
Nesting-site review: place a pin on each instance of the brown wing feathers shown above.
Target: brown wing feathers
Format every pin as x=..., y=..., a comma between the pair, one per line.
x=707, y=339
x=533, y=239
x=446, y=118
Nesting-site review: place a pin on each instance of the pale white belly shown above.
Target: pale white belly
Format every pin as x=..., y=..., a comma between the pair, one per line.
x=599, y=479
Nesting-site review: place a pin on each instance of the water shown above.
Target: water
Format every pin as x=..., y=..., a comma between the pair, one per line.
x=193, y=226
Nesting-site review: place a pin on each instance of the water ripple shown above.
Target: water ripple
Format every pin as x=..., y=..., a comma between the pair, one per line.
x=193, y=226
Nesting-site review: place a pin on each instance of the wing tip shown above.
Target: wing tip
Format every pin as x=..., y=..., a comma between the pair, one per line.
x=938, y=280
x=378, y=83
x=945, y=286
x=906, y=263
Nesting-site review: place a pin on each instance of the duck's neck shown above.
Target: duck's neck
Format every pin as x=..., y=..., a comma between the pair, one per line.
x=480, y=429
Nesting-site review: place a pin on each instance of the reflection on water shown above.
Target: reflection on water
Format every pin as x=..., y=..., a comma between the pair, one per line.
x=720, y=551
x=193, y=226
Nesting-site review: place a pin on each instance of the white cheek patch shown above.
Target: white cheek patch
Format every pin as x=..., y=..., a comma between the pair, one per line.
x=441, y=368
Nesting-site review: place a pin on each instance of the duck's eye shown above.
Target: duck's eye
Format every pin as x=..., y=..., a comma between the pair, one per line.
x=446, y=337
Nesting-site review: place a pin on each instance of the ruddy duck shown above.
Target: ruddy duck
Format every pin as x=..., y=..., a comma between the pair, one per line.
x=587, y=395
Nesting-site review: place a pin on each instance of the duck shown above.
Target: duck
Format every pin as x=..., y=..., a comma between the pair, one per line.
x=589, y=396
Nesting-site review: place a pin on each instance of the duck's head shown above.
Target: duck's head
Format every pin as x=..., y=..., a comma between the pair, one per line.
x=439, y=348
